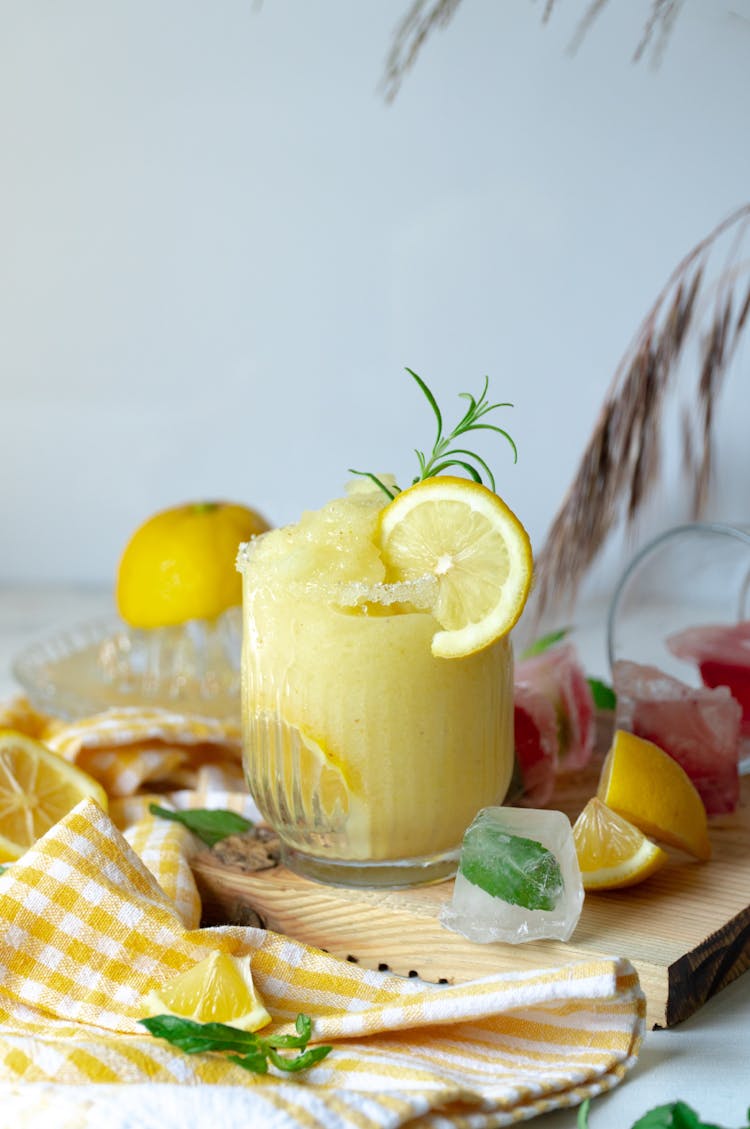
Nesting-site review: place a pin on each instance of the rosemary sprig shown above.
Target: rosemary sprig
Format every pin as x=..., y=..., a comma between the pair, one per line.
x=209, y=824
x=445, y=451
x=252, y=1051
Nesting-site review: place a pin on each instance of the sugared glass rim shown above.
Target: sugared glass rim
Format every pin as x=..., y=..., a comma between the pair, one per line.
x=420, y=592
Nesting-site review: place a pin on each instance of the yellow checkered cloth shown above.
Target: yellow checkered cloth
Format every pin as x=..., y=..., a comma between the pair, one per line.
x=94, y=916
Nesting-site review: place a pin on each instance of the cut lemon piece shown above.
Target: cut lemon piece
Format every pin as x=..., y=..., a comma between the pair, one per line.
x=37, y=788
x=294, y=777
x=645, y=785
x=466, y=537
x=612, y=852
x=219, y=989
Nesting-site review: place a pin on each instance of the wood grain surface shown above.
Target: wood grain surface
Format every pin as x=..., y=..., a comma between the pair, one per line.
x=686, y=929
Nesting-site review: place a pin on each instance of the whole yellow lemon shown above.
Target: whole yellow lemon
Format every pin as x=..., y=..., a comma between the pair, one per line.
x=180, y=564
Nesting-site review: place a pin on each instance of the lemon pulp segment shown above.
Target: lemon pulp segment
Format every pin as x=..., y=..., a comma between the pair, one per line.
x=219, y=989
x=37, y=788
x=611, y=851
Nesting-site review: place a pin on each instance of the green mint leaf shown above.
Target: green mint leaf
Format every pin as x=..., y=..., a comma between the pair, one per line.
x=251, y=1051
x=303, y=1025
x=520, y=871
x=210, y=825
x=675, y=1115
x=603, y=695
x=301, y=1061
x=198, y=1038
x=256, y=1062
x=539, y=646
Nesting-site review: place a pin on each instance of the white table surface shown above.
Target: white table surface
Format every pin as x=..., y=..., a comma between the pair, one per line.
x=703, y=1061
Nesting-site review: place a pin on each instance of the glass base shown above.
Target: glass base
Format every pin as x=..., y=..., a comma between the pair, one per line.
x=383, y=874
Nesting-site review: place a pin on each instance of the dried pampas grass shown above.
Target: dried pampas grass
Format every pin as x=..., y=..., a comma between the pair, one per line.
x=622, y=459
x=425, y=16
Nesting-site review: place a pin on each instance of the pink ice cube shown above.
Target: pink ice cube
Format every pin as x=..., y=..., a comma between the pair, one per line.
x=557, y=675
x=700, y=728
x=722, y=653
x=536, y=740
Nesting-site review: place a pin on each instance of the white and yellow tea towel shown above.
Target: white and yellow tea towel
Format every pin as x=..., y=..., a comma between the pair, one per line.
x=86, y=931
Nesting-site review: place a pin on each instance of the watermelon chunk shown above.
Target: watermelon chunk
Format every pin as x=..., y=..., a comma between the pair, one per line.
x=722, y=654
x=699, y=727
x=558, y=676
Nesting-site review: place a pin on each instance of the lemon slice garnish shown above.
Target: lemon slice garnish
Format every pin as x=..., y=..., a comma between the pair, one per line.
x=219, y=989
x=37, y=788
x=467, y=538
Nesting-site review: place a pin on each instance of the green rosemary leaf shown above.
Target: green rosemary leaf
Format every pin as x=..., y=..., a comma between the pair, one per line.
x=374, y=478
x=499, y=430
x=432, y=402
x=476, y=458
x=210, y=825
x=582, y=1121
x=448, y=463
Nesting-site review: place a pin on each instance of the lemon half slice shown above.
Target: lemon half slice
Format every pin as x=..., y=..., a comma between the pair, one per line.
x=219, y=989
x=649, y=788
x=467, y=538
x=611, y=851
x=37, y=788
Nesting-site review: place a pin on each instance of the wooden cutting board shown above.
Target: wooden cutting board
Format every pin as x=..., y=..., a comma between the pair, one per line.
x=686, y=929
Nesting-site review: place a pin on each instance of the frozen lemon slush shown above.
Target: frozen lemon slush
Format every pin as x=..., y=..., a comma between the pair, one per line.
x=368, y=755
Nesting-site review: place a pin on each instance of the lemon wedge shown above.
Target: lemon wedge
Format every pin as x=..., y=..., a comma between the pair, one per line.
x=467, y=538
x=611, y=851
x=312, y=782
x=219, y=989
x=649, y=788
x=37, y=788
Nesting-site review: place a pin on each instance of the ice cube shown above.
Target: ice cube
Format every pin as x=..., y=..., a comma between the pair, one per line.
x=557, y=674
x=524, y=859
x=700, y=728
x=722, y=652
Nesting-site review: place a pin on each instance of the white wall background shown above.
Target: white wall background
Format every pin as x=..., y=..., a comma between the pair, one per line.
x=219, y=247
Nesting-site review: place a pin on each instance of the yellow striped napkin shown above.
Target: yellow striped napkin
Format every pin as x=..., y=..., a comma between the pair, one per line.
x=93, y=917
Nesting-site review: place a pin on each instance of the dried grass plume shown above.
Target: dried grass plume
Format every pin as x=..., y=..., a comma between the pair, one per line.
x=622, y=458
x=423, y=17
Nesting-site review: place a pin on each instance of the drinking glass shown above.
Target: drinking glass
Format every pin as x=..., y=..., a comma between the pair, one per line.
x=690, y=576
x=366, y=754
